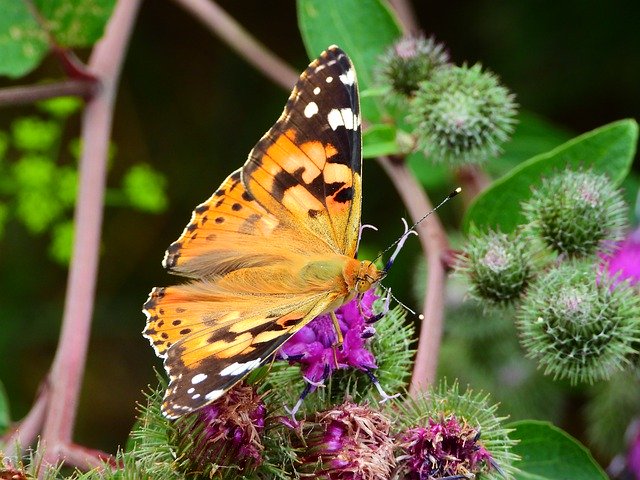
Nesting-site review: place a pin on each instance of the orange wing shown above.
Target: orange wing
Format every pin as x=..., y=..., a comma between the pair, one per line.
x=307, y=169
x=266, y=251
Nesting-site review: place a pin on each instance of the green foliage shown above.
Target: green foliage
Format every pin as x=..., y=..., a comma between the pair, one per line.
x=145, y=189
x=24, y=40
x=23, y=43
x=38, y=185
x=75, y=23
x=548, y=453
x=609, y=150
x=612, y=409
x=5, y=416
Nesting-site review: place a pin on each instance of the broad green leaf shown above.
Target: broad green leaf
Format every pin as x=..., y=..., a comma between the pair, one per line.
x=609, y=150
x=362, y=28
x=549, y=453
x=23, y=43
x=76, y=23
x=5, y=417
x=379, y=140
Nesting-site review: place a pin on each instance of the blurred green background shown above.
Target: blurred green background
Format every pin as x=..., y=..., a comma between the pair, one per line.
x=192, y=109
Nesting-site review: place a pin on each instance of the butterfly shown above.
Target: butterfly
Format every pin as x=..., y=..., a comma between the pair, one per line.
x=274, y=247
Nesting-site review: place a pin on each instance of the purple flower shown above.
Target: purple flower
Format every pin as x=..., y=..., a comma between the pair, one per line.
x=227, y=431
x=443, y=448
x=624, y=263
x=348, y=442
x=314, y=345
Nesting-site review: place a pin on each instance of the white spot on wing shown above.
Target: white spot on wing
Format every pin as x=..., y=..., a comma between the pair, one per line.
x=329, y=79
x=198, y=378
x=214, y=395
x=343, y=117
x=311, y=109
x=348, y=78
x=239, y=368
x=191, y=390
x=196, y=396
x=316, y=90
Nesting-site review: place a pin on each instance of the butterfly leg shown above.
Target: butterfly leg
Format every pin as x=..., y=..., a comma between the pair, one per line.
x=376, y=383
x=309, y=387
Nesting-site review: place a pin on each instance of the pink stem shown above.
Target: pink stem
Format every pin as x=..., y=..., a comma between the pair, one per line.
x=25, y=432
x=230, y=31
x=68, y=366
x=434, y=243
x=25, y=94
x=406, y=16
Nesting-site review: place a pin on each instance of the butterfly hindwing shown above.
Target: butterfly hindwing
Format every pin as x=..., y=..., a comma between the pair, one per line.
x=205, y=358
x=265, y=253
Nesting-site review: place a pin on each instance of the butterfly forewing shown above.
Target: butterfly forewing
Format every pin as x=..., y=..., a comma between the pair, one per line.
x=252, y=247
x=308, y=166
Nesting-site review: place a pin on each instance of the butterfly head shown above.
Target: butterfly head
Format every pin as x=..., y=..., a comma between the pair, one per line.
x=366, y=276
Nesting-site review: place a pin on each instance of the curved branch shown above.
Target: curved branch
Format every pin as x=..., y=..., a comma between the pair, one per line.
x=68, y=366
x=230, y=31
x=434, y=243
x=26, y=94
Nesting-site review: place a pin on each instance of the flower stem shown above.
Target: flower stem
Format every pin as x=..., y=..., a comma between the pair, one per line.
x=434, y=243
x=26, y=94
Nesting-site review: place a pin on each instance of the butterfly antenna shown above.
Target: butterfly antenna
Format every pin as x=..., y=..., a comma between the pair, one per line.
x=391, y=295
x=411, y=230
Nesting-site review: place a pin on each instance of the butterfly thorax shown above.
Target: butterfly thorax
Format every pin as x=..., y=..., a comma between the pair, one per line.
x=360, y=275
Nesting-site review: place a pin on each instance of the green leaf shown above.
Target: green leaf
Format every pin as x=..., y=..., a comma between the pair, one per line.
x=609, y=149
x=549, y=453
x=76, y=23
x=61, y=107
x=144, y=188
x=62, y=242
x=34, y=134
x=5, y=417
x=379, y=140
x=23, y=43
x=362, y=28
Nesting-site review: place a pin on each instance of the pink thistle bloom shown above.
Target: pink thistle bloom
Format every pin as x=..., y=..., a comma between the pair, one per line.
x=624, y=263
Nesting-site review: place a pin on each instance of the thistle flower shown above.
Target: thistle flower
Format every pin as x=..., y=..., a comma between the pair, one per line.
x=462, y=115
x=624, y=263
x=314, y=345
x=349, y=441
x=446, y=433
x=499, y=267
x=444, y=447
x=578, y=328
x=576, y=212
x=225, y=433
x=410, y=61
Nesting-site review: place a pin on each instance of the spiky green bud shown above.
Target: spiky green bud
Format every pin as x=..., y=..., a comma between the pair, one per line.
x=462, y=115
x=409, y=61
x=446, y=405
x=576, y=212
x=579, y=328
x=498, y=266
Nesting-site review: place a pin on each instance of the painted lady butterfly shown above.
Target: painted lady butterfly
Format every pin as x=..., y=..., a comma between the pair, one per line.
x=272, y=248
